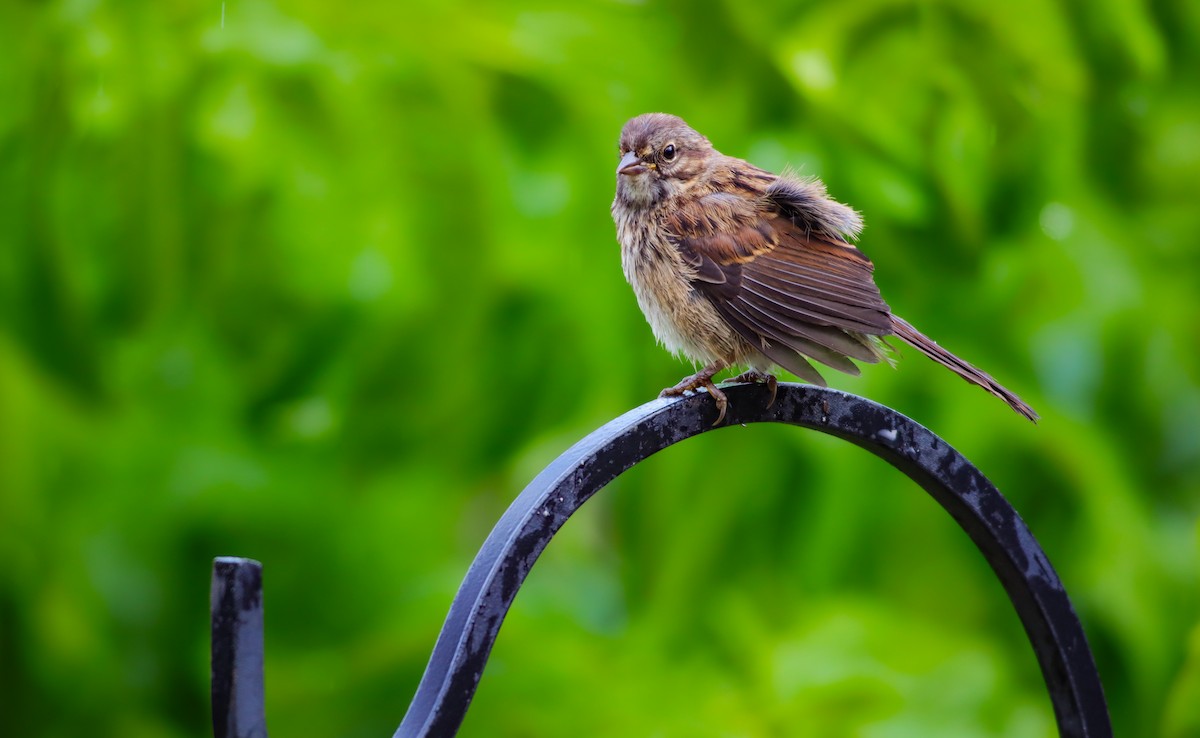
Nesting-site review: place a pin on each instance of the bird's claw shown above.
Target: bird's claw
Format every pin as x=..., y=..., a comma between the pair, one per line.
x=701, y=379
x=760, y=378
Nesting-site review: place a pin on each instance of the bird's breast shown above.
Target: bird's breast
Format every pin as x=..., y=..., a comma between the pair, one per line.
x=682, y=320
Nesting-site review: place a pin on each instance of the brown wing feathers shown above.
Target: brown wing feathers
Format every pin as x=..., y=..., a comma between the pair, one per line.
x=780, y=285
x=784, y=351
x=808, y=206
x=779, y=269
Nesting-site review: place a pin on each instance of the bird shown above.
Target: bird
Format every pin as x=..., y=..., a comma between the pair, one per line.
x=734, y=266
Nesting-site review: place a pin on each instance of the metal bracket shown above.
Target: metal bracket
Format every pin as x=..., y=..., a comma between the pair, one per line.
x=492, y=581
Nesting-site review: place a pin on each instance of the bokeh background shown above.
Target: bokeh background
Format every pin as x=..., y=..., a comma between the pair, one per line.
x=326, y=284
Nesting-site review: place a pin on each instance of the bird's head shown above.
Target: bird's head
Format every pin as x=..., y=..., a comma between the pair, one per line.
x=661, y=156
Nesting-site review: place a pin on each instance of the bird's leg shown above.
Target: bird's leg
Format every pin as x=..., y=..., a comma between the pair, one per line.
x=702, y=378
x=761, y=378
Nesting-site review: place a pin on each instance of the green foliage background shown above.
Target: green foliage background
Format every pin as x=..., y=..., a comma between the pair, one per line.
x=325, y=284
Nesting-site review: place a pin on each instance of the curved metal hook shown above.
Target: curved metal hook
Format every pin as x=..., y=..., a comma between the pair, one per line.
x=462, y=648
x=491, y=583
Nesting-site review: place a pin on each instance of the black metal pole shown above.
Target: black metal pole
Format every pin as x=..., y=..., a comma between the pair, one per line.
x=237, y=649
x=491, y=583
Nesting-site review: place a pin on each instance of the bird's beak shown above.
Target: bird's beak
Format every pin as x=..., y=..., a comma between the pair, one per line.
x=631, y=164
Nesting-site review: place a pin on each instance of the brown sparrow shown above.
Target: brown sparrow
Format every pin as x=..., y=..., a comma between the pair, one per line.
x=735, y=266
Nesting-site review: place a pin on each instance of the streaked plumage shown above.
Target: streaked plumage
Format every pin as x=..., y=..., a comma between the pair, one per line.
x=735, y=266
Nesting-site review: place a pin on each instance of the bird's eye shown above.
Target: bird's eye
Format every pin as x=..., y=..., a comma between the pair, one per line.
x=668, y=152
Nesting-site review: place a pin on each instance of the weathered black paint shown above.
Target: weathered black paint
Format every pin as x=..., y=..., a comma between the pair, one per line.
x=491, y=583
x=237, y=649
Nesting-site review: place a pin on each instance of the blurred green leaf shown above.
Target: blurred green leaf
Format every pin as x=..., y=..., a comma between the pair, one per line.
x=326, y=285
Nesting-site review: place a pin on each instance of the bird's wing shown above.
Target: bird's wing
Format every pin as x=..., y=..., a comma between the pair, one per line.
x=783, y=277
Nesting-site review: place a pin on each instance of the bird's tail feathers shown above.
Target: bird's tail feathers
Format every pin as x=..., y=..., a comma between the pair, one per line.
x=913, y=337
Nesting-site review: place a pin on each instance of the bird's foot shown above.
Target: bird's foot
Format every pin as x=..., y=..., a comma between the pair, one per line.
x=760, y=378
x=701, y=379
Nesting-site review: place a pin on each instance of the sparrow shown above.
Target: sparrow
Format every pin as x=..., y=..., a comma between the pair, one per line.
x=735, y=266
